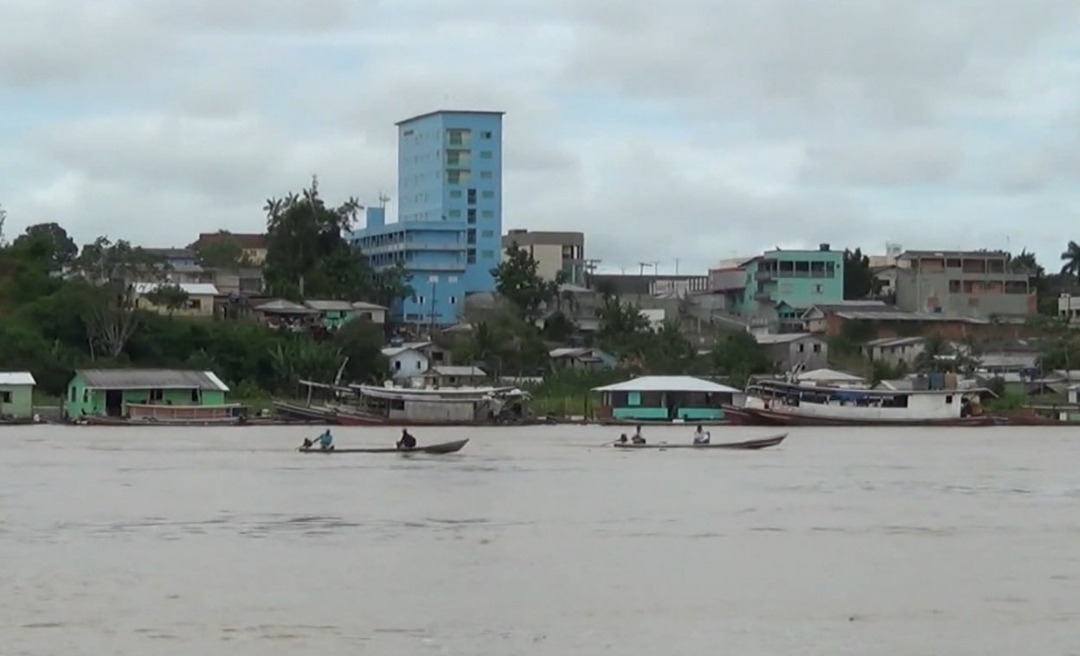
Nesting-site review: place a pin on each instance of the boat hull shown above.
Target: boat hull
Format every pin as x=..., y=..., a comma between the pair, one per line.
x=758, y=417
x=305, y=413
x=434, y=449
x=748, y=445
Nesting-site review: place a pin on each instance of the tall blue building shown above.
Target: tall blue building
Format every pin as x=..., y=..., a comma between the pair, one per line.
x=448, y=234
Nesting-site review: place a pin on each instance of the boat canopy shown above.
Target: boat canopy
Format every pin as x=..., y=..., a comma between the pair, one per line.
x=668, y=384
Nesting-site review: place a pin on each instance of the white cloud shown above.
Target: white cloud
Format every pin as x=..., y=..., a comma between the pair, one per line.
x=695, y=130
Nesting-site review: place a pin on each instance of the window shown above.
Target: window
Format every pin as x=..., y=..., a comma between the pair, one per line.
x=451, y=278
x=954, y=286
x=457, y=176
x=485, y=154
x=397, y=365
x=818, y=289
x=485, y=135
x=485, y=175
x=488, y=194
x=453, y=300
x=471, y=237
x=817, y=348
x=472, y=197
x=470, y=256
x=801, y=348
x=455, y=214
x=487, y=255
x=457, y=137
x=948, y=398
x=157, y=395
x=73, y=397
x=472, y=216
x=487, y=233
x=420, y=300
x=455, y=193
x=195, y=396
x=488, y=214
x=5, y=396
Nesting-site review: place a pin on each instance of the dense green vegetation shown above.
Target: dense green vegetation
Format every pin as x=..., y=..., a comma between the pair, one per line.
x=60, y=310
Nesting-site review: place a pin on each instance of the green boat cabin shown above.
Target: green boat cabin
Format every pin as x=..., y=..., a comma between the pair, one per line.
x=665, y=398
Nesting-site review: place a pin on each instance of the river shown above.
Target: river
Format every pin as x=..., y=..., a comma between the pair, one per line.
x=536, y=541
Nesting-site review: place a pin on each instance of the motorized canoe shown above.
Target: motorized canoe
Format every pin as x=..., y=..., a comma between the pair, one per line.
x=445, y=447
x=751, y=445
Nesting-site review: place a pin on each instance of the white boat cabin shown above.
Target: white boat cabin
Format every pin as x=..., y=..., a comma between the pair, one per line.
x=863, y=405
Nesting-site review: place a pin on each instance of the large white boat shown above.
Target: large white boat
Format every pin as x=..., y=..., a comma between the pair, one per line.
x=371, y=404
x=795, y=404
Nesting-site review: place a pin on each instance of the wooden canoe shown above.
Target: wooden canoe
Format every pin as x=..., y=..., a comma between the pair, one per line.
x=762, y=443
x=445, y=447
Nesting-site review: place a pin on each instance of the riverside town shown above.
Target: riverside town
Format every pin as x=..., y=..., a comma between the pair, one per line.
x=330, y=314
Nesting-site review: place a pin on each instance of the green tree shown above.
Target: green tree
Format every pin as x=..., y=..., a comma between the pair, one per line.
x=169, y=296
x=1071, y=259
x=306, y=253
x=361, y=342
x=221, y=251
x=392, y=284
x=49, y=243
x=737, y=355
x=114, y=268
x=859, y=279
x=518, y=281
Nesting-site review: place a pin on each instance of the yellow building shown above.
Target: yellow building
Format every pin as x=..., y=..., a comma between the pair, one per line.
x=199, y=301
x=552, y=251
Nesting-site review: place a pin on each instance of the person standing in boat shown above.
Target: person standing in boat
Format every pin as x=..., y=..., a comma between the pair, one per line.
x=407, y=441
x=638, y=438
x=701, y=436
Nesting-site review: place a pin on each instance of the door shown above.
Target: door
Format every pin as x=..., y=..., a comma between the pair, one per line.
x=114, y=402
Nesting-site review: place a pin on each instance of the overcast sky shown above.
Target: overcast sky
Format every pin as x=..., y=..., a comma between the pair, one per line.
x=695, y=130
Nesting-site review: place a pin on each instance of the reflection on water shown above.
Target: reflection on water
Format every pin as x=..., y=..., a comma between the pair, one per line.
x=536, y=540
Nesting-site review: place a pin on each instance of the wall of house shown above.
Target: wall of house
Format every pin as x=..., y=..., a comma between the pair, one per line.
x=197, y=306
x=408, y=364
x=955, y=292
x=17, y=401
x=79, y=400
x=374, y=316
x=894, y=355
x=813, y=352
x=798, y=279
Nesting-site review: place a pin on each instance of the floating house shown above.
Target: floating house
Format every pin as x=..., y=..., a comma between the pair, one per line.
x=665, y=398
x=16, y=395
x=172, y=395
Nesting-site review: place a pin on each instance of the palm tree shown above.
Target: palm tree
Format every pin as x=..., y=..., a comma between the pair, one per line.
x=1071, y=258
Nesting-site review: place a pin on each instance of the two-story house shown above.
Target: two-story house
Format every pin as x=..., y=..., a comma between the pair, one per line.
x=973, y=284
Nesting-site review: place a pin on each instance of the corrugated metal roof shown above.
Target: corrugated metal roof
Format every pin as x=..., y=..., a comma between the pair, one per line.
x=281, y=306
x=192, y=289
x=667, y=384
x=17, y=378
x=451, y=370
x=782, y=338
x=329, y=306
x=151, y=379
x=363, y=305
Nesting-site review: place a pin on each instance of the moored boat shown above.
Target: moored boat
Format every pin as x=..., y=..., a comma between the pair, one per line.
x=435, y=449
x=776, y=403
x=746, y=445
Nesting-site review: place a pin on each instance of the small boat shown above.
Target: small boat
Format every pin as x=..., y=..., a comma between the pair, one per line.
x=445, y=447
x=751, y=445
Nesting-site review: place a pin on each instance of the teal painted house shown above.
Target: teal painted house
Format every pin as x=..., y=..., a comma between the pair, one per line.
x=146, y=393
x=786, y=283
x=665, y=398
x=16, y=395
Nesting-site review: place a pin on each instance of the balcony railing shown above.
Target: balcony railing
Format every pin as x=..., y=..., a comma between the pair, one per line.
x=763, y=297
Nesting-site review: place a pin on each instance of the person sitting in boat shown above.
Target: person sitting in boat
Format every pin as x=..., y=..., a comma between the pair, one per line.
x=407, y=441
x=701, y=436
x=637, y=438
x=326, y=440
x=622, y=439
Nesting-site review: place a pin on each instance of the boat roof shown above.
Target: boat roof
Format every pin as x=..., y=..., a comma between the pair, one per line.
x=17, y=378
x=855, y=391
x=455, y=370
x=668, y=384
x=150, y=379
x=830, y=375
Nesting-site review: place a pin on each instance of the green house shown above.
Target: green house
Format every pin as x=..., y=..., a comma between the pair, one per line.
x=141, y=393
x=16, y=395
x=333, y=314
x=665, y=398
